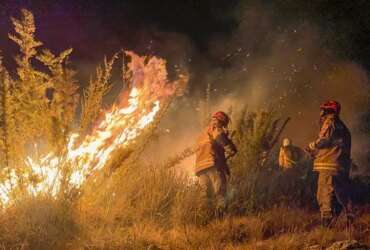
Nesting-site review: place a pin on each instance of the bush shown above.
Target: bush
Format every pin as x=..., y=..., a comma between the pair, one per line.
x=253, y=185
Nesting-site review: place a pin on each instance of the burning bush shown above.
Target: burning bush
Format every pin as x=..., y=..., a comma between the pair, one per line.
x=38, y=108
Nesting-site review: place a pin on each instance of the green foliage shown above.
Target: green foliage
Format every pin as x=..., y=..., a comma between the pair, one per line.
x=251, y=131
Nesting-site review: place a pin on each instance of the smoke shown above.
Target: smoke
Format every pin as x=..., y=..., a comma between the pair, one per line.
x=268, y=64
x=269, y=59
x=291, y=70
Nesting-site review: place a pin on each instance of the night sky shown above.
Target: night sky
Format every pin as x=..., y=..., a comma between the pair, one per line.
x=94, y=27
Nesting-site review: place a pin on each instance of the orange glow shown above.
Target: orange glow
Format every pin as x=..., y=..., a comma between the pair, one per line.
x=118, y=128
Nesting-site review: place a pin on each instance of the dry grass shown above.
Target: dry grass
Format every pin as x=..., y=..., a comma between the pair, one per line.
x=45, y=223
x=37, y=223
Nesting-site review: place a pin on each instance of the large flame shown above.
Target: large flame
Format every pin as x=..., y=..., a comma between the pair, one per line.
x=118, y=128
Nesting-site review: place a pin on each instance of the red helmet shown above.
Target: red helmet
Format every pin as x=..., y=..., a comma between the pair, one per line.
x=331, y=105
x=222, y=117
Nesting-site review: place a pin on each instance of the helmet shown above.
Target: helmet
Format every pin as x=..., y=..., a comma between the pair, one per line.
x=221, y=117
x=331, y=105
x=286, y=142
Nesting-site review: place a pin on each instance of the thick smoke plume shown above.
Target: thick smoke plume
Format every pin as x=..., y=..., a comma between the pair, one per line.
x=264, y=65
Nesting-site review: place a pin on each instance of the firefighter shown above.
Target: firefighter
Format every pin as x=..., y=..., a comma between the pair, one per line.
x=213, y=150
x=332, y=160
x=289, y=155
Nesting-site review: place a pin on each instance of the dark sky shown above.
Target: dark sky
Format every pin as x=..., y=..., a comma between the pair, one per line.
x=95, y=28
x=90, y=24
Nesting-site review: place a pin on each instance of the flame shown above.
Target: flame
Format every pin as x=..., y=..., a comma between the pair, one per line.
x=118, y=128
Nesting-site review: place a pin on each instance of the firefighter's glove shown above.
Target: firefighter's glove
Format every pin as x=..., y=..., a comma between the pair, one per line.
x=309, y=152
x=312, y=146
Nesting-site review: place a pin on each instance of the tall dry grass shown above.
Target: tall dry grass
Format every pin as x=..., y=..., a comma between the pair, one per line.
x=38, y=223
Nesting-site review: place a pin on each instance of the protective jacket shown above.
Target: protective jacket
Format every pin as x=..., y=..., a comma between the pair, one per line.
x=289, y=156
x=332, y=148
x=213, y=149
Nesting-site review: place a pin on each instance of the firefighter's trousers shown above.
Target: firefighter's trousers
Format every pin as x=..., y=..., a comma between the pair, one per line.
x=213, y=183
x=331, y=187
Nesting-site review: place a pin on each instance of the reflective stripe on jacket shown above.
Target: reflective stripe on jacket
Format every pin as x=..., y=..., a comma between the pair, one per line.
x=213, y=149
x=333, y=146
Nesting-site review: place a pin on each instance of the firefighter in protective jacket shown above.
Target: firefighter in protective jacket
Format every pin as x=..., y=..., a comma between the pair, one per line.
x=289, y=155
x=213, y=149
x=332, y=160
